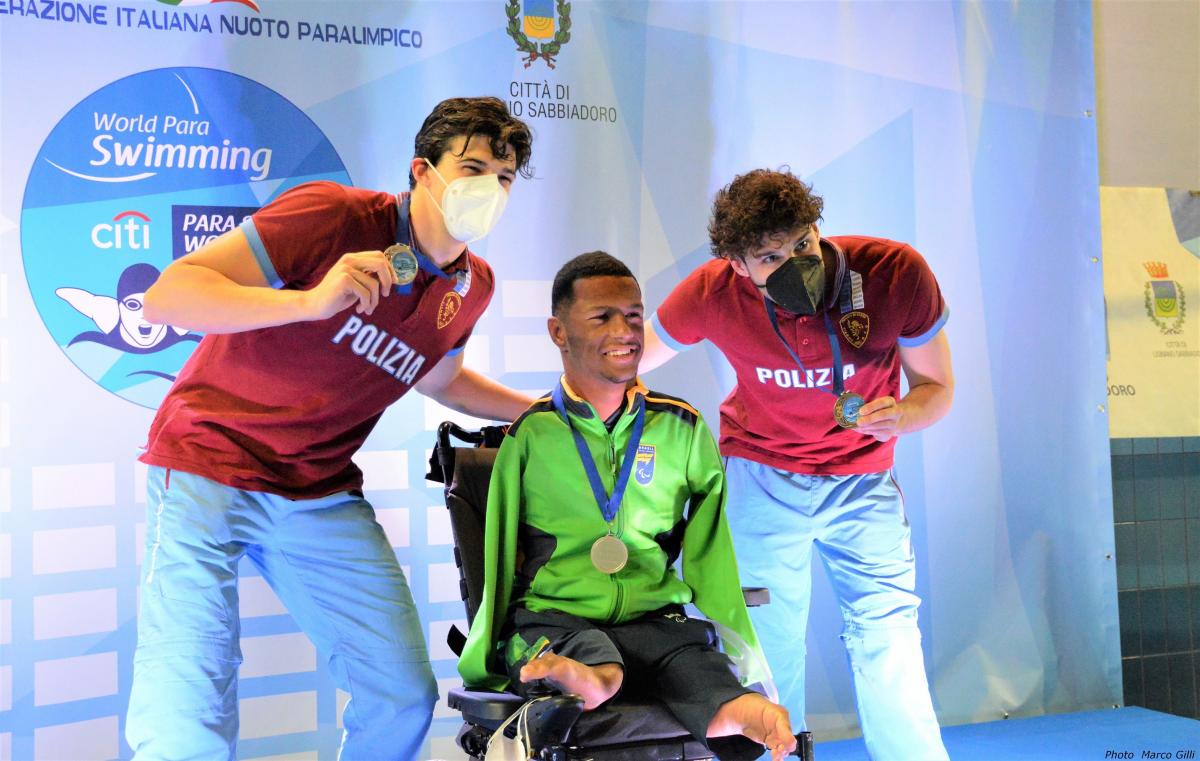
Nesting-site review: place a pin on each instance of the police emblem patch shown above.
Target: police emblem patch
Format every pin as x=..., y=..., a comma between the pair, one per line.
x=448, y=309
x=856, y=327
x=643, y=464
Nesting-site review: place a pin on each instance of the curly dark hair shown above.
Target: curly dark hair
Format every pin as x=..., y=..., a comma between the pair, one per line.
x=759, y=203
x=485, y=116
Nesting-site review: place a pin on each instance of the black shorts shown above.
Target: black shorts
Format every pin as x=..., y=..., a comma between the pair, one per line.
x=664, y=653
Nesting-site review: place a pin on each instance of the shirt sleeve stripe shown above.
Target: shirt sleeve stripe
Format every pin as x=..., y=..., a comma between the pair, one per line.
x=455, y=351
x=928, y=335
x=666, y=337
x=674, y=407
x=260, y=254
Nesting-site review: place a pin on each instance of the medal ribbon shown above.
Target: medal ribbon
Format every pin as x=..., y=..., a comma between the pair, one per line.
x=838, y=382
x=405, y=238
x=608, y=504
x=430, y=295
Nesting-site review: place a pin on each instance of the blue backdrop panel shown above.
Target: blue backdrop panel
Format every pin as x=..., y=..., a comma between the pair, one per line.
x=964, y=129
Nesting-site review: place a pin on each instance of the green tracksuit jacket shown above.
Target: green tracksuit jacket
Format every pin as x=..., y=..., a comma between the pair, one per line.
x=542, y=520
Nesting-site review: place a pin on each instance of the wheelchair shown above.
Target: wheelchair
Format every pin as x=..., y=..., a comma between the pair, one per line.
x=627, y=728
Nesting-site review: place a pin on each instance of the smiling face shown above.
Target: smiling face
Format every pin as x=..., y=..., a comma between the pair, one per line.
x=773, y=250
x=600, y=333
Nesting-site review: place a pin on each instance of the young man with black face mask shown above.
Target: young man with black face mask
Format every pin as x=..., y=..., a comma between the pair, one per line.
x=322, y=309
x=818, y=331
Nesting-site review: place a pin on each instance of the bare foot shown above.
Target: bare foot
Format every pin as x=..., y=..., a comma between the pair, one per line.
x=595, y=684
x=759, y=719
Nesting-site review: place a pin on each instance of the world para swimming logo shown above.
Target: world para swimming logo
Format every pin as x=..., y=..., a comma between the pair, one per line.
x=139, y=173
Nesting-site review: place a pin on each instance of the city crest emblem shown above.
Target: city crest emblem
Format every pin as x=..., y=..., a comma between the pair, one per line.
x=856, y=327
x=536, y=20
x=1166, y=304
x=643, y=464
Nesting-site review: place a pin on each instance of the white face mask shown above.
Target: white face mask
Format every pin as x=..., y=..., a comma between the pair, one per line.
x=471, y=206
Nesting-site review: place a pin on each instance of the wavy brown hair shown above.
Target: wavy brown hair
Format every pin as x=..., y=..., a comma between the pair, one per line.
x=486, y=116
x=759, y=203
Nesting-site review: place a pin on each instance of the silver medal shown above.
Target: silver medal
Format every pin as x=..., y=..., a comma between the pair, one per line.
x=404, y=263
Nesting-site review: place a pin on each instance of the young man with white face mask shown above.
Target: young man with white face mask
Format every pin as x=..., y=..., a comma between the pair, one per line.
x=322, y=309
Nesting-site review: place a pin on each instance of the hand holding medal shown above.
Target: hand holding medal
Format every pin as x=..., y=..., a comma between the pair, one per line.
x=359, y=279
x=881, y=418
x=849, y=405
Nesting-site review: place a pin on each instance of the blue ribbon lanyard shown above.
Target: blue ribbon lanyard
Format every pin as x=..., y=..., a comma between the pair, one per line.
x=838, y=382
x=608, y=504
x=404, y=238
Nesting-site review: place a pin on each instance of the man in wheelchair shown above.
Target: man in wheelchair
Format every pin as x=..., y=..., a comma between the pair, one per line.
x=598, y=490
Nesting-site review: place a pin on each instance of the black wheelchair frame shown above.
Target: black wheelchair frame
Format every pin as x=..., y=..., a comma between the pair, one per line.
x=626, y=728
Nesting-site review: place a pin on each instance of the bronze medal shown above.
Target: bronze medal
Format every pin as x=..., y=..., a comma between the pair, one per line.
x=404, y=263
x=609, y=554
x=845, y=409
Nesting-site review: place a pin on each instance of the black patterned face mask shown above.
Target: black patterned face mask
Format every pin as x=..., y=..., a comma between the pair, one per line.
x=799, y=285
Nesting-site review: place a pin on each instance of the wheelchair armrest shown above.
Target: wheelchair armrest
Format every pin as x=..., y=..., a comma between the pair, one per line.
x=756, y=596
x=550, y=718
x=487, y=709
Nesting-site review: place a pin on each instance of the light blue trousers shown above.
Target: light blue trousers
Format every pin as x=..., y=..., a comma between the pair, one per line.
x=328, y=561
x=858, y=528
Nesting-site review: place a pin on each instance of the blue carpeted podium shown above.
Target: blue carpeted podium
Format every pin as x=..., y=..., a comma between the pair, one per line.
x=1132, y=734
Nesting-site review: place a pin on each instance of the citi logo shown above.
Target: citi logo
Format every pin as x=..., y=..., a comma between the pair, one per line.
x=128, y=230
